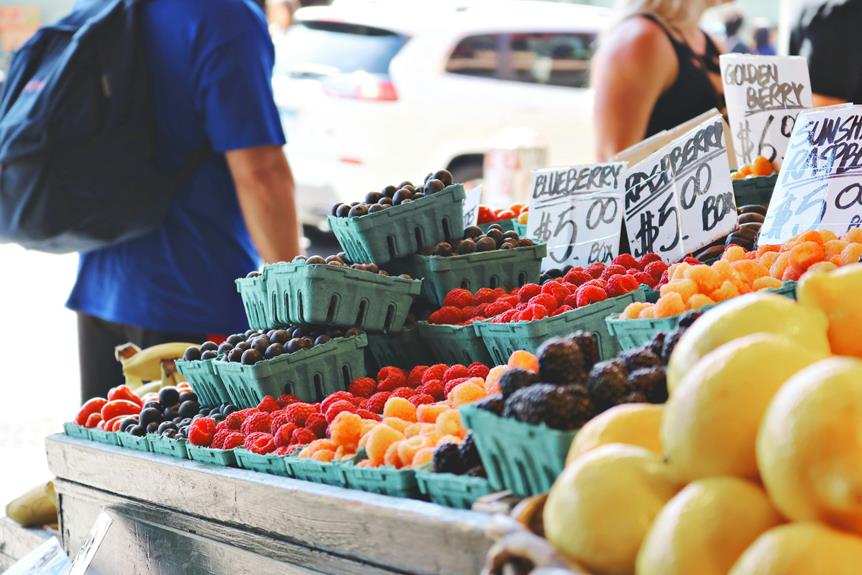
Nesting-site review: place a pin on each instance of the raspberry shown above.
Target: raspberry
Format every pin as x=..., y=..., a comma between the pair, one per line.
x=390, y=378
x=477, y=369
x=221, y=425
x=561, y=309
x=446, y=315
x=219, y=437
x=421, y=399
x=572, y=300
x=497, y=308
x=259, y=443
x=260, y=421
x=621, y=285
x=534, y=312
x=485, y=295
x=559, y=291
x=625, y=260
x=456, y=371
x=588, y=294
x=452, y=384
x=469, y=312
x=233, y=440
x=647, y=259
x=301, y=436
x=546, y=301
x=598, y=283
x=316, y=424
x=459, y=298
x=377, y=401
x=646, y=279
x=283, y=434
x=278, y=419
x=434, y=388
x=268, y=404
x=577, y=277
x=234, y=420
x=436, y=371
x=404, y=392
x=361, y=403
x=529, y=291
x=595, y=269
x=632, y=271
x=338, y=407
x=365, y=414
x=286, y=399
x=665, y=278
x=506, y=317
x=612, y=270
x=656, y=269
x=414, y=380
x=298, y=412
x=282, y=451
x=363, y=387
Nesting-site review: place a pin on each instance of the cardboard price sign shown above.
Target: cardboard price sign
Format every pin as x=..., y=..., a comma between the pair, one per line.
x=472, y=200
x=820, y=184
x=764, y=96
x=577, y=211
x=678, y=192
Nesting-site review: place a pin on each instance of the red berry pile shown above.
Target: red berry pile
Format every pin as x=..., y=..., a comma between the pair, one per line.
x=580, y=286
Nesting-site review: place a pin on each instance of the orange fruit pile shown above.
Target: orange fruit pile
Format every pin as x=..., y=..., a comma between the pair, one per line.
x=759, y=167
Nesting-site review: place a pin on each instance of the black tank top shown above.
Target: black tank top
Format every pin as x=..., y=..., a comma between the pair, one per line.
x=692, y=92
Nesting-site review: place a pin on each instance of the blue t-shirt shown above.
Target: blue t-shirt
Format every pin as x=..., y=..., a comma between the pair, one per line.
x=211, y=64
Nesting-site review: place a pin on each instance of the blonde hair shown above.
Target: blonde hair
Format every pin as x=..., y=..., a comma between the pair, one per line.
x=674, y=13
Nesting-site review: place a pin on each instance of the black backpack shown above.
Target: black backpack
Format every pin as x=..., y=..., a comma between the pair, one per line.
x=77, y=135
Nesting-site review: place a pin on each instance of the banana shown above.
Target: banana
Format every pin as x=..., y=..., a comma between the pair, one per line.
x=152, y=387
x=146, y=364
x=35, y=508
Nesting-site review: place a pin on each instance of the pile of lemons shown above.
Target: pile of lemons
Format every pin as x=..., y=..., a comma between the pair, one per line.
x=753, y=467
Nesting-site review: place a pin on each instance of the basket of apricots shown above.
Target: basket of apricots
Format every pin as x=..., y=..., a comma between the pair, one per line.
x=753, y=183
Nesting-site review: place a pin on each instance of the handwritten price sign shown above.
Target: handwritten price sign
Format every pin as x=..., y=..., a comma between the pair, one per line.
x=577, y=211
x=680, y=197
x=764, y=96
x=820, y=184
x=472, y=200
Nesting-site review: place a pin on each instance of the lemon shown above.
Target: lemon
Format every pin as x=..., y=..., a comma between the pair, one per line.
x=630, y=423
x=802, y=549
x=828, y=291
x=706, y=527
x=741, y=316
x=603, y=504
x=711, y=421
x=809, y=448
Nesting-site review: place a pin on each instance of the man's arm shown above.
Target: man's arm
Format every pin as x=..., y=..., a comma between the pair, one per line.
x=265, y=188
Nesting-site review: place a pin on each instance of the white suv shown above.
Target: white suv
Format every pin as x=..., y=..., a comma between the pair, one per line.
x=373, y=93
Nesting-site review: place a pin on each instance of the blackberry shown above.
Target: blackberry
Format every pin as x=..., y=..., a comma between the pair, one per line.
x=561, y=362
x=657, y=343
x=469, y=453
x=670, y=342
x=447, y=459
x=633, y=397
x=477, y=471
x=516, y=378
x=557, y=406
x=493, y=403
x=588, y=343
x=608, y=383
x=689, y=318
x=652, y=382
x=640, y=359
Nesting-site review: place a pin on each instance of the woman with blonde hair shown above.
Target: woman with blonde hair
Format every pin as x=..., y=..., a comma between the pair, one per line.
x=654, y=70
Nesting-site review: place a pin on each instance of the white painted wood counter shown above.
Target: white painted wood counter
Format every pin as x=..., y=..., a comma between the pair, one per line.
x=182, y=517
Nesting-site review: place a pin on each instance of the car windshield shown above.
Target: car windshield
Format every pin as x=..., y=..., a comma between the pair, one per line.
x=320, y=48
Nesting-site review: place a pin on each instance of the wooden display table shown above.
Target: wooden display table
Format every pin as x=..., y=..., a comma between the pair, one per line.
x=182, y=517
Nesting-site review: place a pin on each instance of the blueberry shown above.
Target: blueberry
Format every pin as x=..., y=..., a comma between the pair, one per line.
x=150, y=415
x=169, y=396
x=224, y=348
x=137, y=430
x=209, y=346
x=188, y=396
x=322, y=339
x=192, y=353
x=189, y=408
x=274, y=350
x=251, y=357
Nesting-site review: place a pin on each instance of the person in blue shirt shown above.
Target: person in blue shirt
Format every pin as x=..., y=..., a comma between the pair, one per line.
x=210, y=63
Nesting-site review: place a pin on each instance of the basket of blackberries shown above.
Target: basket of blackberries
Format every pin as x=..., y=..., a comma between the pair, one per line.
x=492, y=259
x=332, y=291
x=456, y=477
x=524, y=433
x=398, y=221
x=252, y=289
x=197, y=365
x=306, y=361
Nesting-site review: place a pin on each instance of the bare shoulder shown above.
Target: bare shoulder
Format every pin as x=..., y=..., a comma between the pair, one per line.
x=636, y=41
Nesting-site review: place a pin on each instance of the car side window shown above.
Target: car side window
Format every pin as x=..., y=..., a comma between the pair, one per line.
x=477, y=56
x=554, y=59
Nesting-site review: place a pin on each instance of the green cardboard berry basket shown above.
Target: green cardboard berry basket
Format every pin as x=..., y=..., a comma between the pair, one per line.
x=402, y=230
x=205, y=381
x=403, y=350
x=755, y=190
x=635, y=333
x=384, y=480
x=168, y=446
x=451, y=344
x=338, y=296
x=525, y=459
x=520, y=229
x=507, y=225
x=449, y=490
x=310, y=374
x=326, y=473
x=254, y=299
x=104, y=437
x=507, y=269
x=74, y=430
x=221, y=457
x=269, y=463
x=502, y=339
x=134, y=442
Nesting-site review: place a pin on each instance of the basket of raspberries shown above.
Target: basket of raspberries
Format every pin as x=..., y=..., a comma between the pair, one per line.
x=524, y=431
x=398, y=221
